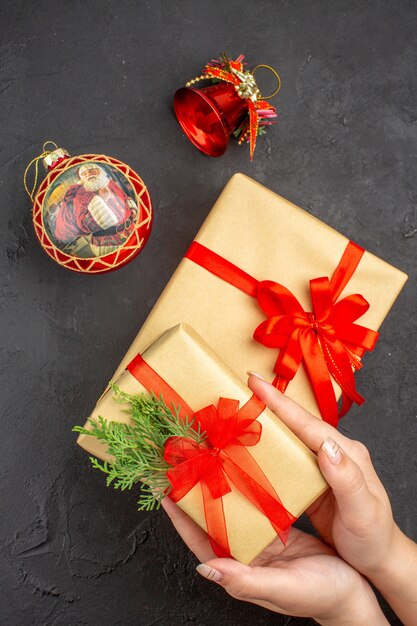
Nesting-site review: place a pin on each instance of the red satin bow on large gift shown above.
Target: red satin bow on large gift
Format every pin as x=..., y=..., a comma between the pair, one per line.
x=220, y=460
x=327, y=339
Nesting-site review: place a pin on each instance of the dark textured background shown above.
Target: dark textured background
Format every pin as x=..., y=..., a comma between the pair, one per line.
x=99, y=77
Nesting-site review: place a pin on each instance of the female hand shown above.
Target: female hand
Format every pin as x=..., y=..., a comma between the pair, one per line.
x=355, y=516
x=304, y=578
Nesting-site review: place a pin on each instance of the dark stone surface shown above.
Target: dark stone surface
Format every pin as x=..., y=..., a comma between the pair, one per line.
x=99, y=77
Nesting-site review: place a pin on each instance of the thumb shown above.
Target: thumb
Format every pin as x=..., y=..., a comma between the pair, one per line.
x=346, y=480
x=242, y=581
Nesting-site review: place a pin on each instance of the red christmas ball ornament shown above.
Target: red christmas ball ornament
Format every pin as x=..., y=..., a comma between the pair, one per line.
x=92, y=213
x=233, y=105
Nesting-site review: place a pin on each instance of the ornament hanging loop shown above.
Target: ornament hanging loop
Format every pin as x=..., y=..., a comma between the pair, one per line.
x=275, y=73
x=46, y=143
x=35, y=161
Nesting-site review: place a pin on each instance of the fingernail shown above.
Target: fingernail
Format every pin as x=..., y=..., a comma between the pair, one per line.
x=332, y=450
x=250, y=373
x=209, y=572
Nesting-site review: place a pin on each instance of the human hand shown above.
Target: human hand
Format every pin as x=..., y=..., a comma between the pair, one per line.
x=305, y=578
x=355, y=515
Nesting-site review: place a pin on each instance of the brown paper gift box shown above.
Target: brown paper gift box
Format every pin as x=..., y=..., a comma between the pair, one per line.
x=270, y=239
x=198, y=375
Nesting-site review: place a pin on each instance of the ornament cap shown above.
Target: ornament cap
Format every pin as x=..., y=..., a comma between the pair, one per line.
x=54, y=157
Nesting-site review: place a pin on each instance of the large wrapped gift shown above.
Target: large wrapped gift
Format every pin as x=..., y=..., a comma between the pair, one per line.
x=250, y=269
x=252, y=477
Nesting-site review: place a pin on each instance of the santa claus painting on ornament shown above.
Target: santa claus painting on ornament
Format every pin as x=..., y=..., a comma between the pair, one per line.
x=91, y=210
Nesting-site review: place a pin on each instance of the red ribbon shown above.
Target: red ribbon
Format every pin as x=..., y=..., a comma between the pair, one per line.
x=326, y=339
x=220, y=460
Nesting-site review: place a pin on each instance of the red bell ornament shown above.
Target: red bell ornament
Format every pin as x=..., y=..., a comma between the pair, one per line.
x=233, y=105
x=92, y=213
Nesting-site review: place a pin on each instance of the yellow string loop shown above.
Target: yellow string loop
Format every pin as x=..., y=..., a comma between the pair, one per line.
x=36, y=162
x=275, y=73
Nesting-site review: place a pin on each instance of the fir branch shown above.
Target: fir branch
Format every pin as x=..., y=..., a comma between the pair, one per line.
x=137, y=448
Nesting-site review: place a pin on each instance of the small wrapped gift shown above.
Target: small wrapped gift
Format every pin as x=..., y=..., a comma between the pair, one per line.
x=270, y=287
x=251, y=477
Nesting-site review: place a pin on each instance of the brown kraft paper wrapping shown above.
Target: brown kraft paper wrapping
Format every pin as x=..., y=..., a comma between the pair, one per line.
x=198, y=375
x=270, y=239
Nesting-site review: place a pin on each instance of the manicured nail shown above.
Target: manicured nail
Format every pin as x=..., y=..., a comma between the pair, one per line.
x=332, y=450
x=250, y=373
x=209, y=572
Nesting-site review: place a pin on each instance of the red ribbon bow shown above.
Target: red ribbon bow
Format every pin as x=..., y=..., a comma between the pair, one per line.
x=220, y=460
x=326, y=339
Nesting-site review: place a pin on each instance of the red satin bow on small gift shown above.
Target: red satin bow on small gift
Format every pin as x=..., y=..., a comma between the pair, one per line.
x=326, y=339
x=220, y=460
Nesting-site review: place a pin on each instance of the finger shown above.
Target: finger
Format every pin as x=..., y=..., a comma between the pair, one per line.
x=192, y=535
x=271, y=585
x=298, y=544
x=347, y=481
x=311, y=430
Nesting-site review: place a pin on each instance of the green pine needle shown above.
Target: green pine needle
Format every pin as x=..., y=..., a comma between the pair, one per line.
x=138, y=448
